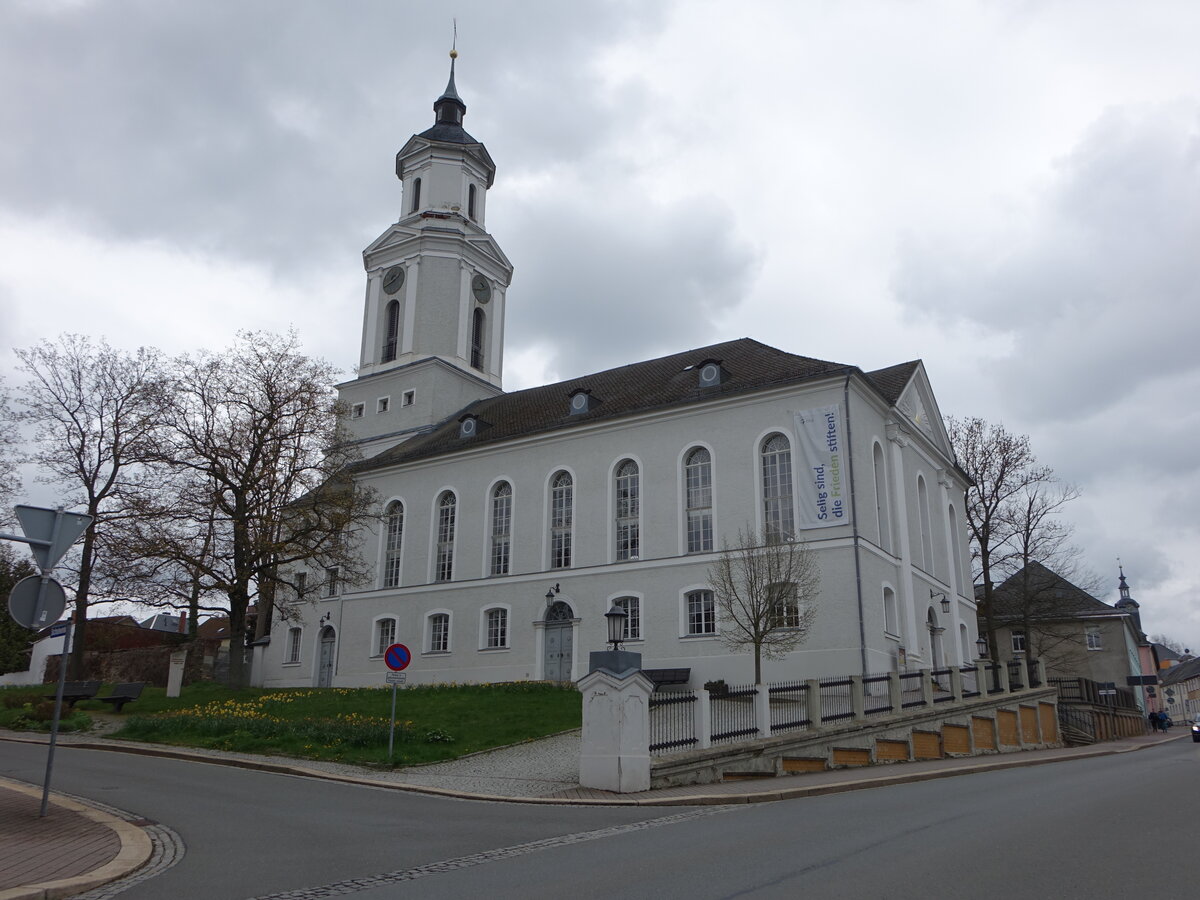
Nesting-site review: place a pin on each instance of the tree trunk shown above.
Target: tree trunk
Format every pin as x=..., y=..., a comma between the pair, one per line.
x=237, y=639
x=79, y=632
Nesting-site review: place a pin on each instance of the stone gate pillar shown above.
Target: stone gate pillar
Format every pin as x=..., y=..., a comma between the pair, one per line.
x=615, y=747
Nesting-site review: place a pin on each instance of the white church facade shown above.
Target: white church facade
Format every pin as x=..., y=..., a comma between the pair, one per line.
x=509, y=523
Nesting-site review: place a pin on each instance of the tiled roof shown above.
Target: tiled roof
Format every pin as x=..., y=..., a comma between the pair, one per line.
x=1182, y=672
x=892, y=380
x=656, y=384
x=1048, y=595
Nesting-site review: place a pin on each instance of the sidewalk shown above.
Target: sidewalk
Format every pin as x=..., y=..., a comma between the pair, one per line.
x=75, y=847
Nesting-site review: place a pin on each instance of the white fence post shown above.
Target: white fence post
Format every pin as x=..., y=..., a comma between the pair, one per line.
x=762, y=710
x=703, y=719
x=857, y=704
x=812, y=701
x=927, y=686
x=615, y=740
x=895, y=692
x=956, y=684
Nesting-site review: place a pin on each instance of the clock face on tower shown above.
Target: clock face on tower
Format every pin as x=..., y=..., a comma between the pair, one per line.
x=393, y=279
x=481, y=288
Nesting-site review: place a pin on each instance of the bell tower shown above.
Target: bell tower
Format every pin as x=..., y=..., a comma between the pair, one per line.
x=433, y=323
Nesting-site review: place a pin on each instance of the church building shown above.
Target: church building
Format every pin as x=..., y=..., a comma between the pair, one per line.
x=509, y=523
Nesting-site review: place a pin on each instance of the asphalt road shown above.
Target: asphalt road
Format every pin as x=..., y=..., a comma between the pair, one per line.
x=1089, y=828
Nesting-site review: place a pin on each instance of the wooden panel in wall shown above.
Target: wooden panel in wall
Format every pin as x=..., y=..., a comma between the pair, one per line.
x=849, y=756
x=890, y=751
x=1049, y=719
x=803, y=764
x=926, y=745
x=984, y=732
x=956, y=739
x=1029, y=725
x=1006, y=724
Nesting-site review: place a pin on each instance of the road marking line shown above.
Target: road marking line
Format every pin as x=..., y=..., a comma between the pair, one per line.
x=354, y=885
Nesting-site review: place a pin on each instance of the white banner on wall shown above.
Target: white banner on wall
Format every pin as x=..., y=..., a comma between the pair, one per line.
x=822, y=471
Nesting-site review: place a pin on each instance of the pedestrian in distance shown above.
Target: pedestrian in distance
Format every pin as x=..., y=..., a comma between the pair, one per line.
x=1153, y=719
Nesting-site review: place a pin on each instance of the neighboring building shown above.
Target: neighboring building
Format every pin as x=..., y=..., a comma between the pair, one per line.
x=509, y=523
x=1180, y=689
x=1042, y=615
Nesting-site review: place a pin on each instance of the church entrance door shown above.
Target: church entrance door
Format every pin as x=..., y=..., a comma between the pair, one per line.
x=325, y=663
x=559, y=642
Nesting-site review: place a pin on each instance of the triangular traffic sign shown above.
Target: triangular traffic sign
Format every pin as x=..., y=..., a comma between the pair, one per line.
x=38, y=524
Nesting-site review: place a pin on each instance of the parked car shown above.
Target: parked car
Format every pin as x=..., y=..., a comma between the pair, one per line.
x=1196, y=729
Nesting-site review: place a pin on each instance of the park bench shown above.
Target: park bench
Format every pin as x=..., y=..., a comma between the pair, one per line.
x=662, y=677
x=124, y=693
x=74, y=691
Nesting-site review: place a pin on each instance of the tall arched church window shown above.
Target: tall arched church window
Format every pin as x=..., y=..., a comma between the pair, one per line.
x=391, y=332
x=778, y=507
x=471, y=202
x=697, y=477
x=478, y=321
x=416, y=198
x=393, y=523
x=501, y=528
x=883, y=509
x=561, y=515
x=926, y=531
x=444, y=562
x=628, y=507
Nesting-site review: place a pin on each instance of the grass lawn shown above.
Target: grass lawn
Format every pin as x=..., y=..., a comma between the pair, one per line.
x=433, y=722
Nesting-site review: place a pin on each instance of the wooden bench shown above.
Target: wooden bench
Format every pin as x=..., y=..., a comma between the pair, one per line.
x=74, y=691
x=662, y=677
x=124, y=693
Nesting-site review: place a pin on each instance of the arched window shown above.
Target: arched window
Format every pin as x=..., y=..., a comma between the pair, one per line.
x=439, y=633
x=416, y=200
x=701, y=612
x=478, y=321
x=926, y=531
x=883, y=510
x=444, y=563
x=561, y=515
x=891, y=616
x=393, y=525
x=633, y=620
x=697, y=477
x=501, y=528
x=628, y=507
x=496, y=624
x=385, y=635
x=471, y=202
x=957, y=576
x=778, y=507
x=785, y=607
x=391, y=333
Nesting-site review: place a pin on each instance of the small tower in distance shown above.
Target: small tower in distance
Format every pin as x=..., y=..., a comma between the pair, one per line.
x=433, y=319
x=1127, y=603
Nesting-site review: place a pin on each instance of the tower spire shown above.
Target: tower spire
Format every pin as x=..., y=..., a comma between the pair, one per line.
x=449, y=107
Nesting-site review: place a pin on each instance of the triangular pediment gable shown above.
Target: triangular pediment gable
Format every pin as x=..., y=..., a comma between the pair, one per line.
x=395, y=236
x=919, y=407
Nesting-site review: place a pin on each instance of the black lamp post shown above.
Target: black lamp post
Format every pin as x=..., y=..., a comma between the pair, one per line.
x=616, y=617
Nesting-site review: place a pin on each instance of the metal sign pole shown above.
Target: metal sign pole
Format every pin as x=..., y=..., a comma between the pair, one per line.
x=62, y=680
x=392, y=731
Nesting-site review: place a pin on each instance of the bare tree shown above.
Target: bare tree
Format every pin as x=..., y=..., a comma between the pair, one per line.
x=257, y=481
x=93, y=412
x=10, y=481
x=765, y=590
x=1170, y=643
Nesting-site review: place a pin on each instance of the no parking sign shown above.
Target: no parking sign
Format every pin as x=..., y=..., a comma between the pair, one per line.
x=397, y=657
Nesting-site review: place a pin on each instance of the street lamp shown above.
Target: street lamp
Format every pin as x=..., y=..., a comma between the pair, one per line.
x=982, y=646
x=934, y=595
x=617, y=617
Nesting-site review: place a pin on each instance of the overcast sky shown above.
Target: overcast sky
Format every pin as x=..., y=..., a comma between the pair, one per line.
x=1008, y=190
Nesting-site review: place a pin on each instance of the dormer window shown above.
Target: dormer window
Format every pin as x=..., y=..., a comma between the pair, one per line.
x=582, y=401
x=468, y=426
x=711, y=373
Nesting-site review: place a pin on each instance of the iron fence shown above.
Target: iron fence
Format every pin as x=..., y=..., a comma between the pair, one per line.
x=1035, y=680
x=836, y=703
x=789, y=706
x=970, y=681
x=942, y=690
x=733, y=713
x=1015, y=678
x=993, y=673
x=877, y=697
x=672, y=720
x=911, y=693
